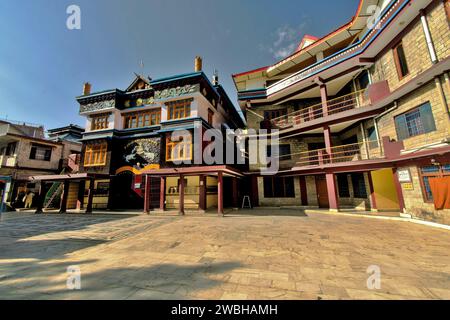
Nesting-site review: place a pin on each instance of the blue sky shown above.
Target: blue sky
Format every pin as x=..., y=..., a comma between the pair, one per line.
x=43, y=65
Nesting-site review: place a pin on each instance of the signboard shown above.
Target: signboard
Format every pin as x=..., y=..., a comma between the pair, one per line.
x=408, y=186
x=137, y=185
x=404, y=176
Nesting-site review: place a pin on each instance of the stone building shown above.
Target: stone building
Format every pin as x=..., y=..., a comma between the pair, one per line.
x=362, y=114
x=25, y=151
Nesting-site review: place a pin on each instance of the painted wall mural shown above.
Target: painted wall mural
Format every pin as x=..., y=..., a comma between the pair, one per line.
x=142, y=152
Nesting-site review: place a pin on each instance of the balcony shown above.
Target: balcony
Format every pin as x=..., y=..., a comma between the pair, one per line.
x=357, y=99
x=369, y=150
x=8, y=161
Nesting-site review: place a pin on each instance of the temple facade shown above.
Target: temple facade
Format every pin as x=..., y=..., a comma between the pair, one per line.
x=132, y=154
x=362, y=114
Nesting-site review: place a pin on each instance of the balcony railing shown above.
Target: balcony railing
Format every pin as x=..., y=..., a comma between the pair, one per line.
x=340, y=154
x=347, y=102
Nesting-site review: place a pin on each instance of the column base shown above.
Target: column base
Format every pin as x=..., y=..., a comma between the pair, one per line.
x=333, y=210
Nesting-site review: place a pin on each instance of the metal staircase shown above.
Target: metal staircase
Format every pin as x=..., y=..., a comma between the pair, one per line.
x=54, y=193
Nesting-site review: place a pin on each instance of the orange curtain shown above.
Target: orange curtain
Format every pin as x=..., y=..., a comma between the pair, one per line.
x=440, y=188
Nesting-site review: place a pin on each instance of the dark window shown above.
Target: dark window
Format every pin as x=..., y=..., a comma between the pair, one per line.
x=210, y=116
x=400, y=61
x=273, y=114
x=359, y=185
x=344, y=191
x=372, y=136
x=363, y=80
x=416, y=122
x=41, y=153
x=284, y=152
x=279, y=187
x=11, y=149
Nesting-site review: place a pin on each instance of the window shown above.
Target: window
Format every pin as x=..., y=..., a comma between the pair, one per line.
x=415, y=122
x=284, y=152
x=372, y=136
x=11, y=149
x=43, y=153
x=359, y=185
x=179, y=150
x=142, y=119
x=179, y=109
x=95, y=155
x=100, y=122
x=210, y=116
x=279, y=187
x=400, y=61
x=273, y=114
x=426, y=173
x=344, y=191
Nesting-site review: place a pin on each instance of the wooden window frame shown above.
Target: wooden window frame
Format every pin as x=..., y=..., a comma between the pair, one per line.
x=142, y=119
x=95, y=155
x=210, y=117
x=179, y=109
x=439, y=174
x=275, y=185
x=100, y=122
x=400, y=74
x=186, y=149
x=411, y=111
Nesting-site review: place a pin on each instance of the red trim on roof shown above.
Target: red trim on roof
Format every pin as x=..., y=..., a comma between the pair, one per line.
x=248, y=72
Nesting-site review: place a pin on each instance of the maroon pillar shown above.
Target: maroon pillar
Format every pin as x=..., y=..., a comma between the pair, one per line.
x=398, y=187
x=303, y=191
x=65, y=196
x=332, y=192
x=373, y=200
x=328, y=144
x=147, y=195
x=90, y=196
x=324, y=97
x=41, y=197
x=181, y=189
x=202, y=193
x=162, y=194
x=220, y=194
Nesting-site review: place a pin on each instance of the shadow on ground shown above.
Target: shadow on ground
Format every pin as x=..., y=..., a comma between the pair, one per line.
x=158, y=282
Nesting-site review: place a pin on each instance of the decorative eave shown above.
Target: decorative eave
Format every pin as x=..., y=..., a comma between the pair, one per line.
x=358, y=54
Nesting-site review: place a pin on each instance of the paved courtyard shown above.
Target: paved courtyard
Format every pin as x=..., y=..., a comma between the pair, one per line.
x=282, y=256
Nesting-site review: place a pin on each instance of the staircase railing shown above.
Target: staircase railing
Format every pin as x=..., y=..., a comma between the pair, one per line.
x=53, y=192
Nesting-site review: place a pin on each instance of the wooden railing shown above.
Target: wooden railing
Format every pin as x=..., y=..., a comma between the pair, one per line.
x=344, y=103
x=340, y=154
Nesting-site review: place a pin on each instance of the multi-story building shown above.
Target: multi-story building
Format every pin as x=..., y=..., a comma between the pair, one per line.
x=25, y=151
x=362, y=114
x=130, y=152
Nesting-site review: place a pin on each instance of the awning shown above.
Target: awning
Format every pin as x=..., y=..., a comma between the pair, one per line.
x=73, y=177
x=194, y=171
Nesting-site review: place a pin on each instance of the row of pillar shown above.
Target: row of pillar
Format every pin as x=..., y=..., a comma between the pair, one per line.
x=181, y=189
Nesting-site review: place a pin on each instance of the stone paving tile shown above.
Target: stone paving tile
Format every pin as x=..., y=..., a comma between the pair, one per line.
x=238, y=257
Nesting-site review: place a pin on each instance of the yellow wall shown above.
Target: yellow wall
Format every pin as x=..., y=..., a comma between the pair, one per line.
x=385, y=193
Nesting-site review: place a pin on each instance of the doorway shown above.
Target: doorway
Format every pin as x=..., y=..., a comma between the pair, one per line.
x=322, y=192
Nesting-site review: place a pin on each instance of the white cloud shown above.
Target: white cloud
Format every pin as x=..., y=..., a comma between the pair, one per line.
x=286, y=40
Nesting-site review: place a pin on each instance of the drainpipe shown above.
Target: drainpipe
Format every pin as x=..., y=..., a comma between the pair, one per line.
x=375, y=121
x=426, y=30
